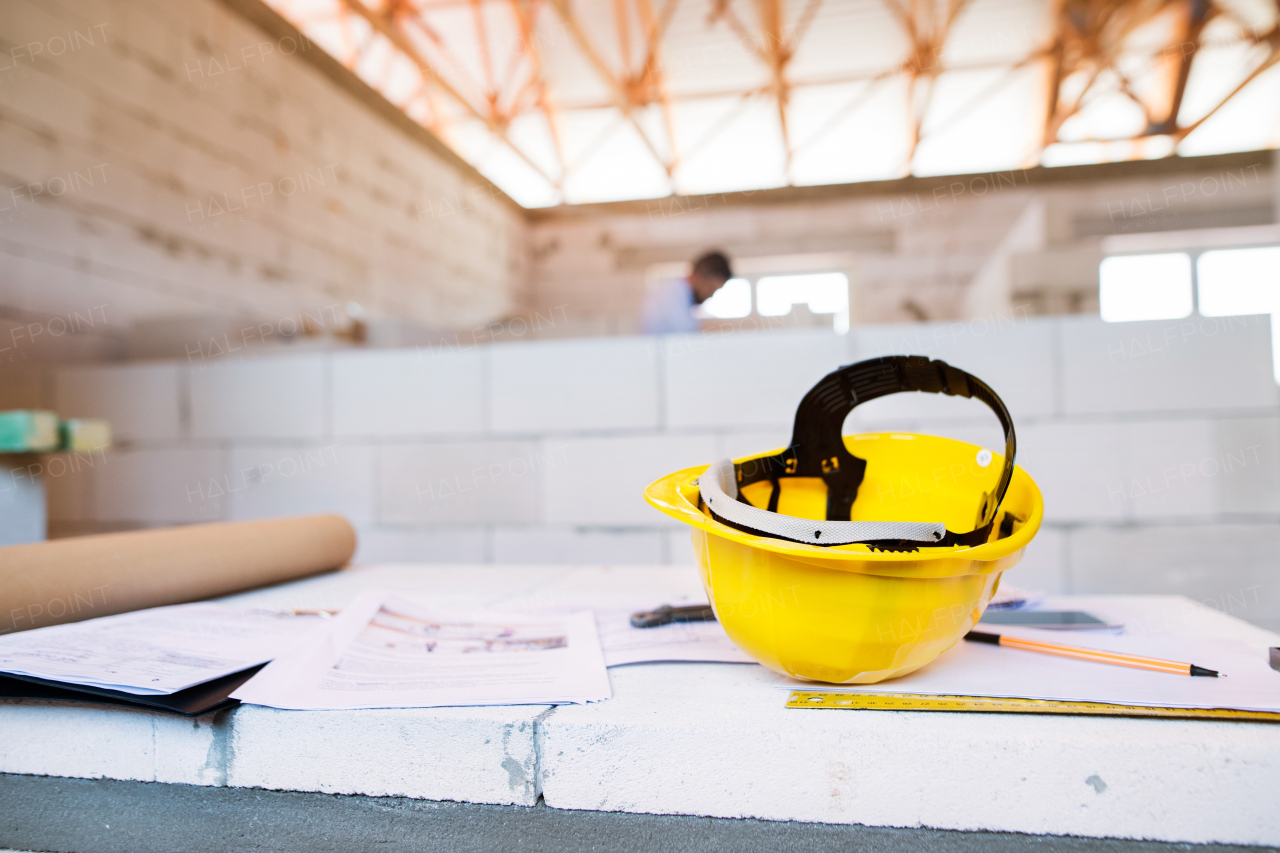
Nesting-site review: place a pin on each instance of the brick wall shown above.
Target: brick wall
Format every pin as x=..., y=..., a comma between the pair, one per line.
x=178, y=160
x=912, y=250
x=170, y=160
x=1156, y=445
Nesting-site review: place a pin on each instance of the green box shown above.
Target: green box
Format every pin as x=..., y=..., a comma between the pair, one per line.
x=84, y=435
x=26, y=431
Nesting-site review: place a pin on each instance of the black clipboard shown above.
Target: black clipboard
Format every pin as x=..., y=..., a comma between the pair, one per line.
x=192, y=702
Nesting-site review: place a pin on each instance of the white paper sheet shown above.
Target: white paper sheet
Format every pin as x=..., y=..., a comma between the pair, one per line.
x=156, y=651
x=385, y=650
x=980, y=669
x=704, y=642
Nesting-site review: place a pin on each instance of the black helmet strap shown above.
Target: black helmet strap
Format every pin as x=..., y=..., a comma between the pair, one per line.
x=817, y=444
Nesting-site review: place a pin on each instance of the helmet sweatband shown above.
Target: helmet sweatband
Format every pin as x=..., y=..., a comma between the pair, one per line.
x=720, y=493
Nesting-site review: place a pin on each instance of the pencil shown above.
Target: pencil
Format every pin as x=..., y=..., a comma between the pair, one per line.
x=1096, y=655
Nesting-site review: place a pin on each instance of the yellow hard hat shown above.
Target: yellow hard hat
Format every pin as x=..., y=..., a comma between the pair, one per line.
x=852, y=559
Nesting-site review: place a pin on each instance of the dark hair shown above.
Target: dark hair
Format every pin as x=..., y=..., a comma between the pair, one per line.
x=713, y=265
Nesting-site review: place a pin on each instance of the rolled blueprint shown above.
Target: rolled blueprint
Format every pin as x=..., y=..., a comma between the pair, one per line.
x=83, y=577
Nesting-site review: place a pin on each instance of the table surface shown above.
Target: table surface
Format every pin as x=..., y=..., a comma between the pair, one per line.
x=699, y=739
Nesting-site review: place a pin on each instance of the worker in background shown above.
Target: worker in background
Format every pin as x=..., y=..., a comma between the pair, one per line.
x=668, y=308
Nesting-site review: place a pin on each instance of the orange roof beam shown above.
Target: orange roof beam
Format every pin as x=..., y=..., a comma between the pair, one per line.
x=529, y=42
x=722, y=11
x=777, y=53
x=1272, y=38
x=486, y=59
x=651, y=75
x=1177, y=58
x=384, y=26
x=388, y=29
x=624, y=33
x=620, y=92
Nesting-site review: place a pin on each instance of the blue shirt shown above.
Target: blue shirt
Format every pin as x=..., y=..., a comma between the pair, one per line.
x=668, y=309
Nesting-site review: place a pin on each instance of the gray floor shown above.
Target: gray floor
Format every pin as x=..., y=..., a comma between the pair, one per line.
x=105, y=816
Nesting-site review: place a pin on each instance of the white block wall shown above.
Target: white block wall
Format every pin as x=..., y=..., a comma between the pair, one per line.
x=223, y=177
x=1157, y=445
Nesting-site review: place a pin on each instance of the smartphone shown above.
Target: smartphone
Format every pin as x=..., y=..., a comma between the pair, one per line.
x=1056, y=619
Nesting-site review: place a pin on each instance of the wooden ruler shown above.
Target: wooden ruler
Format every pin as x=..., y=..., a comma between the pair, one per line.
x=998, y=705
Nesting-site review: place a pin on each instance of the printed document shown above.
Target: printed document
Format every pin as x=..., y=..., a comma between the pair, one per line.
x=678, y=641
x=385, y=650
x=156, y=651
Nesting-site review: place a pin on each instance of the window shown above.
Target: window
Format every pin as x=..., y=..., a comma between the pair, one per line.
x=1145, y=287
x=823, y=293
x=1242, y=281
x=1239, y=281
x=729, y=302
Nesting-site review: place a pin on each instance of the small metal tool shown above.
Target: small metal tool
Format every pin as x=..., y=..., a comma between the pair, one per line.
x=666, y=614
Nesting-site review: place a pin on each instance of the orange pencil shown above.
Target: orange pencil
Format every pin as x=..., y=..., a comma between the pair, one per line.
x=1096, y=655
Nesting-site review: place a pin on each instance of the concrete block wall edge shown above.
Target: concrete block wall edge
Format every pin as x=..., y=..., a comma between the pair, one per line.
x=410, y=539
